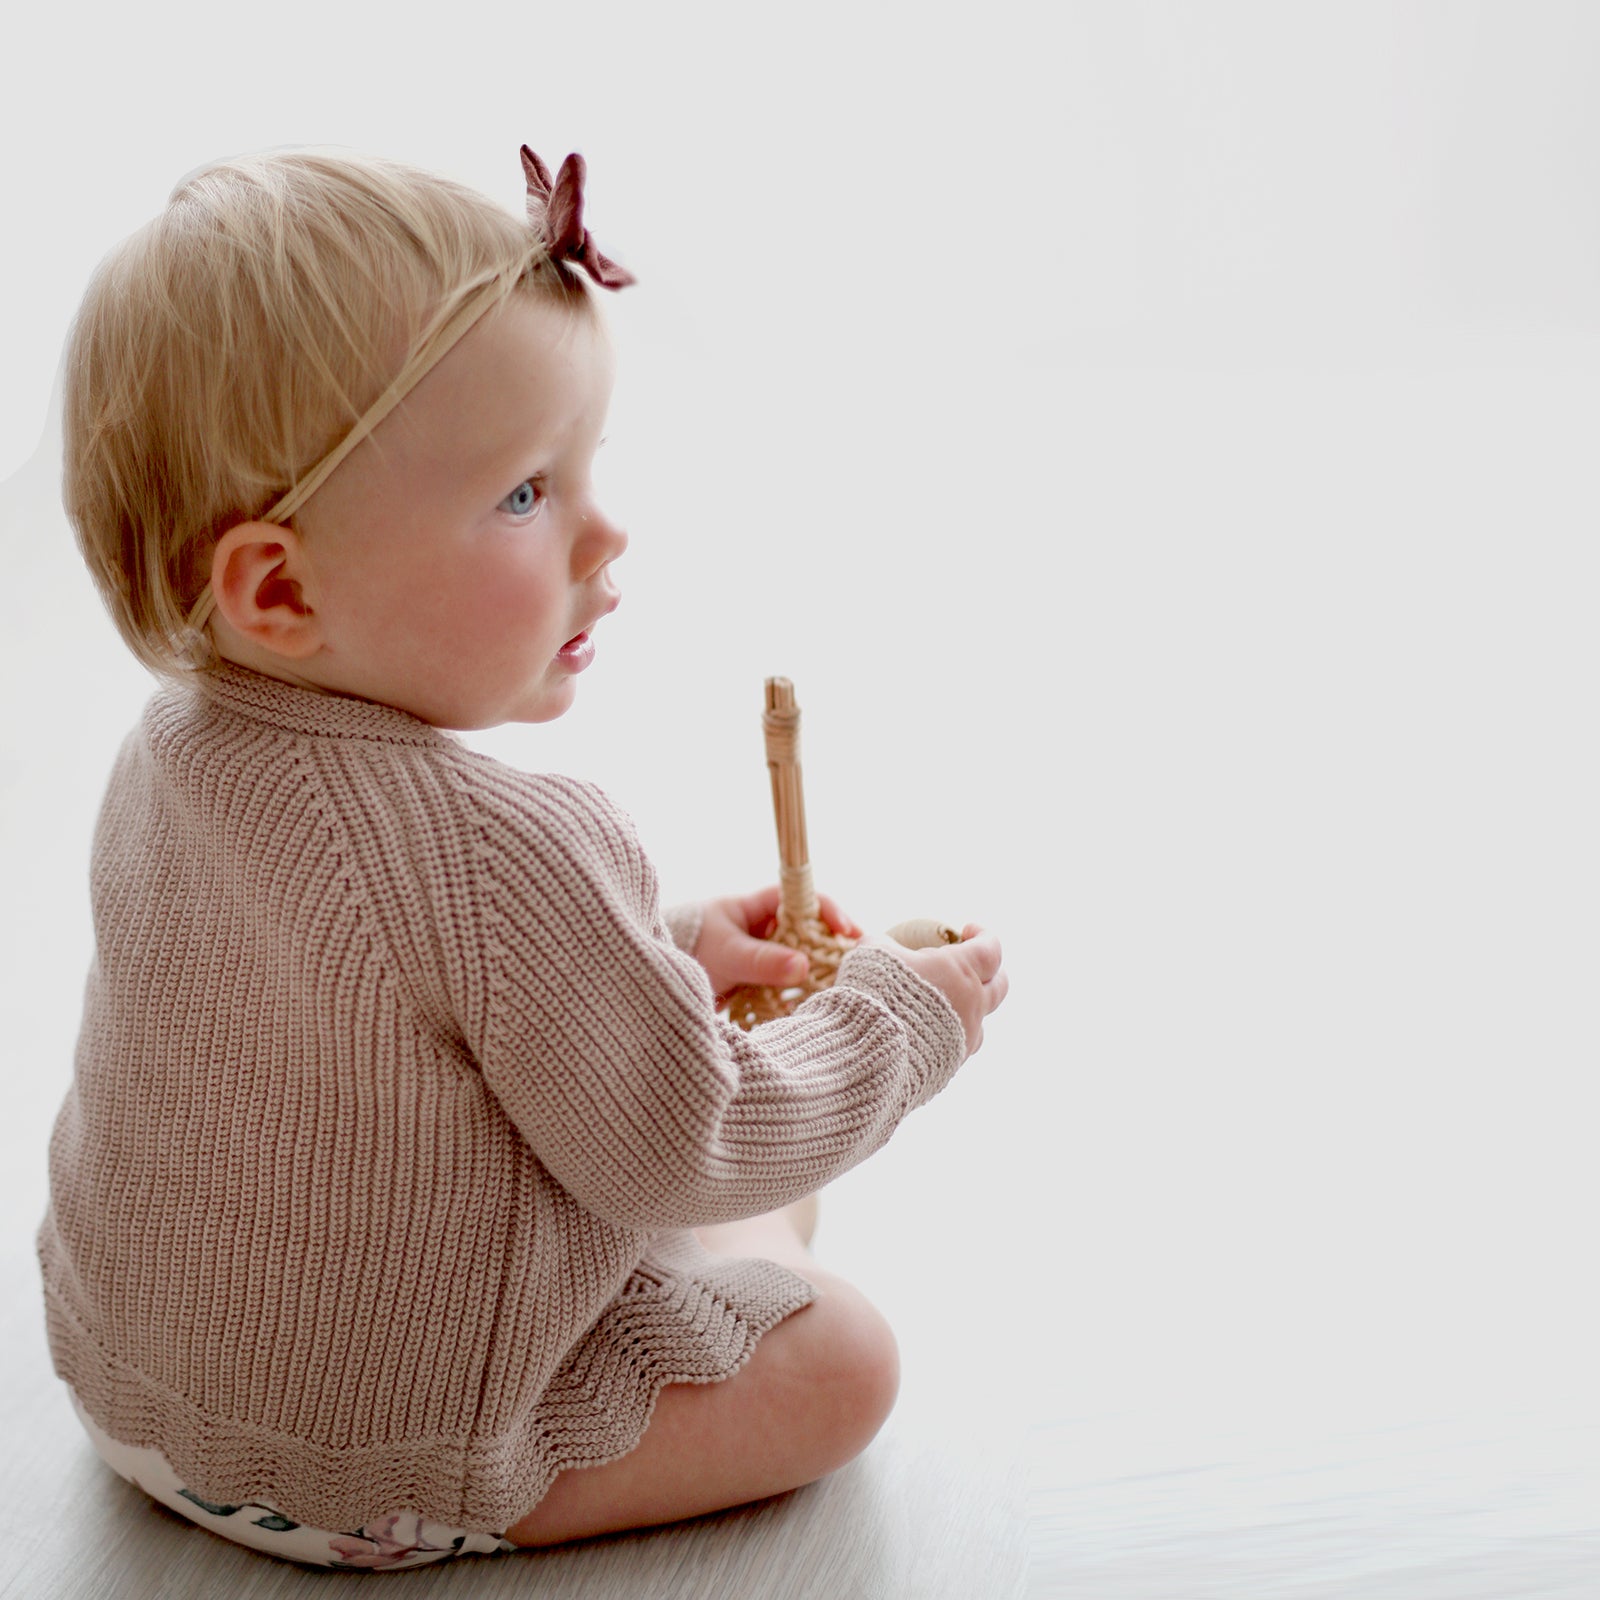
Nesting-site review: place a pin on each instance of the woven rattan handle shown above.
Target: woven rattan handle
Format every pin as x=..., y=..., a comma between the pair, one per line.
x=781, y=724
x=799, y=922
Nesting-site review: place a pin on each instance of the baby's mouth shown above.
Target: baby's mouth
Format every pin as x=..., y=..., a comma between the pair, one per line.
x=576, y=644
x=582, y=643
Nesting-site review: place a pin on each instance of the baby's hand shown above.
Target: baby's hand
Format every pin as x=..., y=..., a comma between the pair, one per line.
x=969, y=975
x=735, y=945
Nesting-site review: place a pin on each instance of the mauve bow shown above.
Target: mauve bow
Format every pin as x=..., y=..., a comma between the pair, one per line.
x=557, y=208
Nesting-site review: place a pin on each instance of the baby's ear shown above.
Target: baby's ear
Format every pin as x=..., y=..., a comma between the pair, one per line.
x=261, y=580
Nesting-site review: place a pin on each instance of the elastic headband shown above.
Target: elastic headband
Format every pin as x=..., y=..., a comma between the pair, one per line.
x=556, y=212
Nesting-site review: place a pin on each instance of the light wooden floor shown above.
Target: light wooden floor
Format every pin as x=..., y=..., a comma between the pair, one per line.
x=1484, y=1504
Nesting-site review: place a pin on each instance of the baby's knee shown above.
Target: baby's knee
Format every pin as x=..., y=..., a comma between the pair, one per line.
x=859, y=1374
x=877, y=1365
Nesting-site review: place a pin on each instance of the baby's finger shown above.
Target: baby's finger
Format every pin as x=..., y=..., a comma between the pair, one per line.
x=760, y=907
x=763, y=962
x=838, y=922
x=995, y=992
x=982, y=949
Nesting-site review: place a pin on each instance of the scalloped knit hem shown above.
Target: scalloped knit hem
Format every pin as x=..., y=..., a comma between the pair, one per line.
x=395, y=1542
x=685, y=1316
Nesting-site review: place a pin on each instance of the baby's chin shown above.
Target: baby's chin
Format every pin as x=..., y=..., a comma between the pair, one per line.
x=545, y=704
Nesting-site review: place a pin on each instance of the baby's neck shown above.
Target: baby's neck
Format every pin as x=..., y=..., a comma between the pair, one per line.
x=256, y=658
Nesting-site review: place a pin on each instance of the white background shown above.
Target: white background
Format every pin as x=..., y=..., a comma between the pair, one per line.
x=1158, y=441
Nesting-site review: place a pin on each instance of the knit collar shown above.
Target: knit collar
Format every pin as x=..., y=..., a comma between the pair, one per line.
x=313, y=711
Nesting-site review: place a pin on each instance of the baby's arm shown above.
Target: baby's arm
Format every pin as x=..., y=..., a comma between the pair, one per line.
x=602, y=1043
x=654, y=1112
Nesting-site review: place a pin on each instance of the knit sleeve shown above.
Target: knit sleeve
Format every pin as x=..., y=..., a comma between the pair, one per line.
x=683, y=922
x=600, y=1038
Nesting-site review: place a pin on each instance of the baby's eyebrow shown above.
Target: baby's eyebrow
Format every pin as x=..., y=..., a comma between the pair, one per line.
x=506, y=455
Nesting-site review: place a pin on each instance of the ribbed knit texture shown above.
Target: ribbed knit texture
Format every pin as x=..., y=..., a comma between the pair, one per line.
x=393, y=1101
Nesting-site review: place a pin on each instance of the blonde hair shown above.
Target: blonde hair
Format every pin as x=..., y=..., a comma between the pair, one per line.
x=226, y=348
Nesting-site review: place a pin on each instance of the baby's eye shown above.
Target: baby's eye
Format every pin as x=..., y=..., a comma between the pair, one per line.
x=522, y=500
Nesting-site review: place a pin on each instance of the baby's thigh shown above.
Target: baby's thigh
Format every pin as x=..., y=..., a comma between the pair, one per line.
x=812, y=1395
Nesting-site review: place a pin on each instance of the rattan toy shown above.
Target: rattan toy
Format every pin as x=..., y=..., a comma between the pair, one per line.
x=799, y=921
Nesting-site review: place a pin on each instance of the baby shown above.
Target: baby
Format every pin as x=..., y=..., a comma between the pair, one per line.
x=411, y=1196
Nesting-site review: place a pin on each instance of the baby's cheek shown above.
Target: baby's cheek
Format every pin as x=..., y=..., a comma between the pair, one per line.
x=485, y=599
x=521, y=597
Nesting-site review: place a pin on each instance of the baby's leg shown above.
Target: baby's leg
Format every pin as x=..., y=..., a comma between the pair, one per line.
x=812, y=1395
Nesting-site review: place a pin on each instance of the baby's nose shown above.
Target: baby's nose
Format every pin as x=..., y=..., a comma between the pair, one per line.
x=602, y=539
